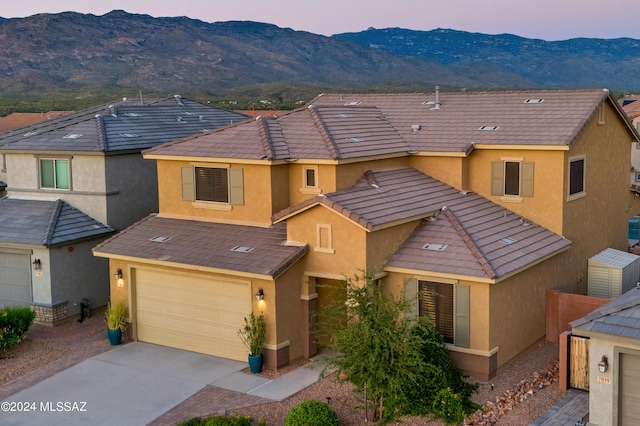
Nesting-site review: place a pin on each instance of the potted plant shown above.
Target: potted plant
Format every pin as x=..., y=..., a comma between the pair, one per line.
x=116, y=321
x=252, y=335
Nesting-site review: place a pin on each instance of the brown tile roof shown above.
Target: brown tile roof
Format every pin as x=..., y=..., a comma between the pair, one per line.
x=342, y=127
x=455, y=124
x=22, y=119
x=472, y=227
x=630, y=105
x=327, y=133
x=205, y=244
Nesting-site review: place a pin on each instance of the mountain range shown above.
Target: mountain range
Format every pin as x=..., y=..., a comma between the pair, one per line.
x=48, y=53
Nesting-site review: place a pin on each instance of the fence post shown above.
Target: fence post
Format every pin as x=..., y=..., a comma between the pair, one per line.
x=563, y=361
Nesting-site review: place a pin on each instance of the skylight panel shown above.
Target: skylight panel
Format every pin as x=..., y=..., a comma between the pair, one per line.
x=534, y=101
x=129, y=135
x=343, y=116
x=434, y=247
x=242, y=249
x=429, y=103
x=507, y=241
x=133, y=114
x=72, y=136
x=353, y=103
x=355, y=139
x=31, y=133
x=159, y=239
x=489, y=128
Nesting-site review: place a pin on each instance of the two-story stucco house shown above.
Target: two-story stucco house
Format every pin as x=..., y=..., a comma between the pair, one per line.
x=479, y=201
x=72, y=181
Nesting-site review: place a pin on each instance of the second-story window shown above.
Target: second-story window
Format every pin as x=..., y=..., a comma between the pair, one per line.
x=512, y=178
x=212, y=184
x=55, y=173
x=576, y=177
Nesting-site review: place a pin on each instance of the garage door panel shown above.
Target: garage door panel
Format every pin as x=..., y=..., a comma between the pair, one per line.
x=191, y=312
x=15, y=279
x=629, y=389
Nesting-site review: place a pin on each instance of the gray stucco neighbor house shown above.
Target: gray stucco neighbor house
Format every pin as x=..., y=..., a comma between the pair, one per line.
x=89, y=161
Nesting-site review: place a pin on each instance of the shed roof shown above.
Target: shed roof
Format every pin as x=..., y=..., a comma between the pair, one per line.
x=126, y=125
x=620, y=317
x=46, y=223
x=260, y=251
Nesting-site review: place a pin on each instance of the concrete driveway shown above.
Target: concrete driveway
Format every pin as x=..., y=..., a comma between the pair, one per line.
x=135, y=384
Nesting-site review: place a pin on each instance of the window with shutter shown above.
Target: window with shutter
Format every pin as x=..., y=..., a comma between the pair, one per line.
x=220, y=185
x=436, y=303
x=512, y=178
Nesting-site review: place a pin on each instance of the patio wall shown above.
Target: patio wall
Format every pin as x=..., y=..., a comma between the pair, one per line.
x=562, y=308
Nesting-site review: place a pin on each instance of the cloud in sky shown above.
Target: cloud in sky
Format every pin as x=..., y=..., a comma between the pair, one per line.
x=545, y=19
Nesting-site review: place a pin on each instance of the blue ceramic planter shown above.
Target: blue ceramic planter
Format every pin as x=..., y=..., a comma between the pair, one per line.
x=255, y=363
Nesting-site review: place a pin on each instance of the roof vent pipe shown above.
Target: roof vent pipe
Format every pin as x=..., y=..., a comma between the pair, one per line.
x=437, y=98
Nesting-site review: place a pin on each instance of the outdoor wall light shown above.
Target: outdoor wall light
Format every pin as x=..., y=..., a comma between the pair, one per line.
x=603, y=365
x=118, y=274
x=36, y=265
x=260, y=294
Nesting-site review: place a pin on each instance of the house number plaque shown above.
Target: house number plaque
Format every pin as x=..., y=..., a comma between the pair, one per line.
x=603, y=380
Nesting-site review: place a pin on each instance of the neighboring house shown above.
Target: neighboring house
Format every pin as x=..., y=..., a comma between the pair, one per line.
x=631, y=108
x=480, y=201
x=614, y=339
x=89, y=161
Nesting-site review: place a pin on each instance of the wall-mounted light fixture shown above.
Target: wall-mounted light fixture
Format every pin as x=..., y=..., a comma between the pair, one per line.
x=36, y=265
x=603, y=365
x=260, y=294
x=118, y=274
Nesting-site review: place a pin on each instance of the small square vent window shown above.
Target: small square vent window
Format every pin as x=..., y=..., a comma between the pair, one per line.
x=353, y=103
x=355, y=139
x=489, y=128
x=507, y=241
x=159, y=239
x=242, y=249
x=534, y=101
x=72, y=136
x=434, y=247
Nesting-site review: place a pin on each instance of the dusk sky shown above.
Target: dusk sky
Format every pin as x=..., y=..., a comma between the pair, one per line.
x=544, y=19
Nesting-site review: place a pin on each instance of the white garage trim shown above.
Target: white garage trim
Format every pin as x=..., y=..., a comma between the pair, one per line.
x=191, y=311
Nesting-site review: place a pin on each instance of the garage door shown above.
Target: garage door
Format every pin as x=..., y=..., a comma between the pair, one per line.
x=15, y=279
x=193, y=313
x=629, y=389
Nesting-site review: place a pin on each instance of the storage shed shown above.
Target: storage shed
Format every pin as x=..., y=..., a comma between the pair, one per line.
x=612, y=272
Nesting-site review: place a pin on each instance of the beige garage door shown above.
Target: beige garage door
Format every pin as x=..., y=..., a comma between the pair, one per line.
x=629, y=390
x=190, y=312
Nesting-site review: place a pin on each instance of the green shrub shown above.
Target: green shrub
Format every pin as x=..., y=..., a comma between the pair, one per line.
x=14, y=322
x=449, y=406
x=312, y=413
x=218, y=421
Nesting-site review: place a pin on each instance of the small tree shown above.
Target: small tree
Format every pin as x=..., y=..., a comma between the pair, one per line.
x=253, y=333
x=383, y=351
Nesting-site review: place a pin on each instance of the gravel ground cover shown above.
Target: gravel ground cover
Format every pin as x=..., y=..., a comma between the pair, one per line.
x=522, y=391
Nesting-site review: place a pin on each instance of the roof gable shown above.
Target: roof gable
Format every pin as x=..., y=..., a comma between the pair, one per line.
x=46, y=223
x=620, y=317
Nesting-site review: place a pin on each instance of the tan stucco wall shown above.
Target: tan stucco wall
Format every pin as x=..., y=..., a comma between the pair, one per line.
x=383, y=243
x=288, y=311
x=348, y=174
x=453, y=171
x=326, y=181
x=349, y=243
x=258, y=202
x=545, y=207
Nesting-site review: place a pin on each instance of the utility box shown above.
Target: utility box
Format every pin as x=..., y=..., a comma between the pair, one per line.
x=612, y=272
